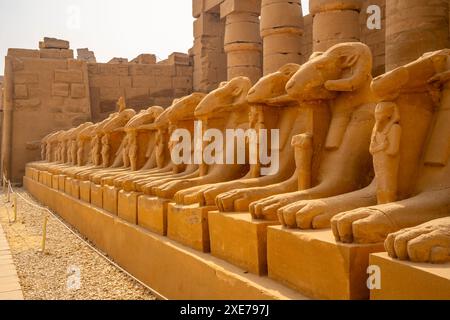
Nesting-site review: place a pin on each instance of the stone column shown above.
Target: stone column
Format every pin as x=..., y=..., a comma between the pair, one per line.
x=281, y=31
x=335, y=21
x=413, y=28
x=242, y=38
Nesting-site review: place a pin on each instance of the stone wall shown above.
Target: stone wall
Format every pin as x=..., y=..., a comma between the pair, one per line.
x=142, y=85
x=45, y=90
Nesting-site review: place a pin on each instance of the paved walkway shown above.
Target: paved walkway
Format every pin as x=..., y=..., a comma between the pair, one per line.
x=9, y=282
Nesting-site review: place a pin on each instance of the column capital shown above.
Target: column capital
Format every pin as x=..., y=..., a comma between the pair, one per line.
x=238, y=6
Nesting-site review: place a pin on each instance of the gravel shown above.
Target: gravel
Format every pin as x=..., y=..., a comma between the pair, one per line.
x=69, y=269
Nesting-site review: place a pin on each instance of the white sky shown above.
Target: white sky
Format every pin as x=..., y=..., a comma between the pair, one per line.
x=111, y=28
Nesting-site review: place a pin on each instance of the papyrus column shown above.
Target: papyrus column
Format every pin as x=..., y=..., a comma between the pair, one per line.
x=281, y=31
x=413, y=28
x=242, y=38
x=335, y=21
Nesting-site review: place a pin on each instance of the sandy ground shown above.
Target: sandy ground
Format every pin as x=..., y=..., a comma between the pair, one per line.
x=69, y=269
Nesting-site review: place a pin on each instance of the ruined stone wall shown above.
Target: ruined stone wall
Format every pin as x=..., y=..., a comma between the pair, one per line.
x=142, y=85
x=44, y=92
x=209, y=58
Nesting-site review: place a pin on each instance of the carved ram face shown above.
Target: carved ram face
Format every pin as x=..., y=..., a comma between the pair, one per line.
x=344, y=67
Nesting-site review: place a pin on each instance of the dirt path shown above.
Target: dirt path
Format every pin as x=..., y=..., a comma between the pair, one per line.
x=69, y=269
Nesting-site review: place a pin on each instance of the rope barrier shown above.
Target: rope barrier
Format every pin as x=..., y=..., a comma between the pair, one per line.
x=58, y=219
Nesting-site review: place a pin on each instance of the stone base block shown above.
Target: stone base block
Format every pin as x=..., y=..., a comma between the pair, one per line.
x=35, y=174
x=188, y=224
x=48, y=179
x=402, y=280
x=75, y=188
x=85, y=191
x=68, y=185
x=55, y=182
x=61, y=182
x=240, y=240
x=314, y=264
x=96, y=195
x=110, y=194
x=152, y=214
x=127, y=206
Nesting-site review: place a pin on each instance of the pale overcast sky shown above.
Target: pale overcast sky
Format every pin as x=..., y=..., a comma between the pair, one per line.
x=111, y=28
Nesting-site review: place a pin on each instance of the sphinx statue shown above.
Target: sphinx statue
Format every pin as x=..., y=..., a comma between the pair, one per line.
x=419, y=192
x=179, y=116
x=336, y=85
x=224, y=108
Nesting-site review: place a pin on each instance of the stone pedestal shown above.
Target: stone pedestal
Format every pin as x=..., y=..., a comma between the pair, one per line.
x=61, y=182
x=68, y=185
x=75, y=188
x=403, y=280
x=314, y=264
x=48, y=179
x=335, y=21
x=85, y=191
x=152, y=214
x=240, y=240
x=281, y=32
x=405, y=43
x=188, y=225
x=242, y=38
x=110, y=199
x=96, y=195
x=127, y=206
x=55, y=182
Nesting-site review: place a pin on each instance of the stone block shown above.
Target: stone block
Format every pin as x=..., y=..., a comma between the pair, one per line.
x=404, y=280
x=240, y=240
x=60, y=89
x=232, y=6
x=78, y=90
x=145, y=58
x=20, y=91
x=27, y=103
x=26, y=78
x=313, y=263
x=23, y=53
x=69, y=76
x=131, y=93
x=104, y=81
x=53, y=43
x=188, y=225
x=127, y=206
x=56, y=54
x=152, y=214
x=144, y=81
x=85, y=191
x=179, y=59
x=110, y=199
x=96, y=195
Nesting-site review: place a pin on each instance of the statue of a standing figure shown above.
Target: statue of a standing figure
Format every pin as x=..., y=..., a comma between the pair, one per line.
x=384, y=148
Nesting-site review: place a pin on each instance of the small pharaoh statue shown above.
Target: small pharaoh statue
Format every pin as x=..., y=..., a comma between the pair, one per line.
x=132, y=149
x=105, y=150
x=303, y=146
x=95, y=150
x=126, y=148
x=256, y=121
x=384, y=148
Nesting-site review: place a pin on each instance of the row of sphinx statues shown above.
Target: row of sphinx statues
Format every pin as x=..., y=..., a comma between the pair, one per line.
x=366, y=157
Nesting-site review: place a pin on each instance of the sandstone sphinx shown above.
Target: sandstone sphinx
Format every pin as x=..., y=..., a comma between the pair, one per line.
x=417, y=190
x=223, y=108
x=178, y=116
x=335, y=85
x=270, y=108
